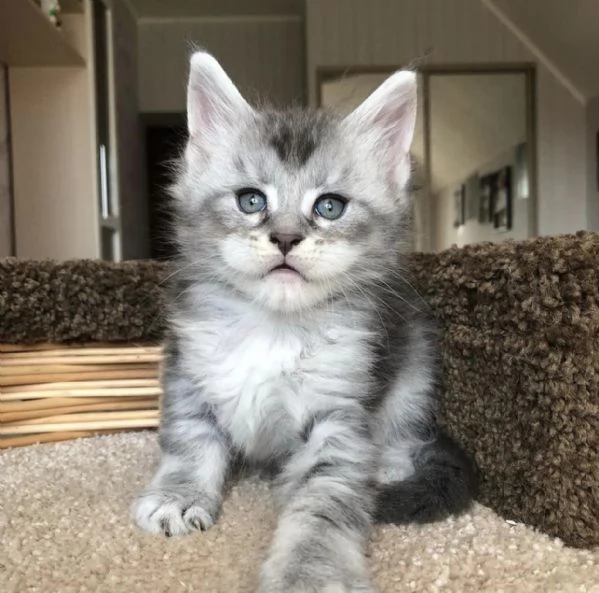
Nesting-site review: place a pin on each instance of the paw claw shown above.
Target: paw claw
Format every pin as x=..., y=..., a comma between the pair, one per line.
x=169, y=513
x=164, y=525
x=197, y=518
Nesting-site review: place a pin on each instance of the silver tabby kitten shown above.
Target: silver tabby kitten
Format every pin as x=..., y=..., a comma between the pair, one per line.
x=293, y=340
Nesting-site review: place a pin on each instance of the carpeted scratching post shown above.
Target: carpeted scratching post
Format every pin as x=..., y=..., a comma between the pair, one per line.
x=520, y=357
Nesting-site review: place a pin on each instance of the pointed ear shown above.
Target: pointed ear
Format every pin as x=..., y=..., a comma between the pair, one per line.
x=214, y=105
x=388, y=116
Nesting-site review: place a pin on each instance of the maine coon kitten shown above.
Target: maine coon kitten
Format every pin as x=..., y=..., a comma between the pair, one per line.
x=293, y=338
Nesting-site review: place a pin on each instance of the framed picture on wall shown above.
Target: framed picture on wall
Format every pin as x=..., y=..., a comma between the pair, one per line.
x=502, y=200
x=486, y=187
x=472, y=197
x=459, y=206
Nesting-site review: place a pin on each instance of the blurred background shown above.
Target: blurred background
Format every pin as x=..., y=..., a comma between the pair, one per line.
x=92, y=108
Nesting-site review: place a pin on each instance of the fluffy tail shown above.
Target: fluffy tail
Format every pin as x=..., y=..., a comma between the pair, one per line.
x=444, y=483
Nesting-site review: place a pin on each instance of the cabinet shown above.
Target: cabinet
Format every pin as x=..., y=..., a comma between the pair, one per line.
x=62, y=167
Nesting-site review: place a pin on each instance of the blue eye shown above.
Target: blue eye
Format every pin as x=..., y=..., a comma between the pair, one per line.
x=251, y=201
x=330, y=206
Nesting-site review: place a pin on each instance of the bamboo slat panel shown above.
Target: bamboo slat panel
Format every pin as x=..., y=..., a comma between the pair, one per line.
x=51, y=392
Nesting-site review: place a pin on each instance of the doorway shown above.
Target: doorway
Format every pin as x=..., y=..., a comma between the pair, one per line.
x=474, y=157
x=165, y=137
x=480, y=146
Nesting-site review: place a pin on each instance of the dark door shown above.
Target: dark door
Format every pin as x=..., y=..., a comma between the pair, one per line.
x=164, y=145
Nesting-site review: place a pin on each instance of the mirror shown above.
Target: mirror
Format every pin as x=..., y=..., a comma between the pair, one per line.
x=472, y=154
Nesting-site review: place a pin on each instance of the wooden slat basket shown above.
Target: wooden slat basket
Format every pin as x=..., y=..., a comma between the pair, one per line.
x=53, y=392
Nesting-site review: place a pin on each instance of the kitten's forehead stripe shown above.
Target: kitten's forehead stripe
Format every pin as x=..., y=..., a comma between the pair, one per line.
x=295, y=134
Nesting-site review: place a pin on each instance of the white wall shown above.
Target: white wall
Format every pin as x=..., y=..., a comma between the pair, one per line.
x=5, y=189
x=473, y=231
x=264, y=56
x=592, y=163
x=389, y=32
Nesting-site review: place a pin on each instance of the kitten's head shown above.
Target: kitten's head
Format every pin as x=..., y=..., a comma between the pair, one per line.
x=293, y=208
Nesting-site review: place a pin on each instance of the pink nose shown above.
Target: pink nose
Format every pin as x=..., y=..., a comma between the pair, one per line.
x=286, y=241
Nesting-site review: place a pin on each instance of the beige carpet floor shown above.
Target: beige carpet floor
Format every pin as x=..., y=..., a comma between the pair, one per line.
x=64, y=527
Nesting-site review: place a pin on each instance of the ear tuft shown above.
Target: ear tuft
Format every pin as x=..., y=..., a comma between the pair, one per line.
x=214, y=104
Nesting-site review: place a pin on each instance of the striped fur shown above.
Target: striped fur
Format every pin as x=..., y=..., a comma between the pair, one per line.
x=328, y=372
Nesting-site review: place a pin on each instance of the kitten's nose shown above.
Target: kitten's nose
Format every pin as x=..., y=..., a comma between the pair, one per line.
x=286, y=241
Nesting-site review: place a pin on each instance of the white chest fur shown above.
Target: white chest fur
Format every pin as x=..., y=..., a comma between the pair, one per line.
x=265, y=378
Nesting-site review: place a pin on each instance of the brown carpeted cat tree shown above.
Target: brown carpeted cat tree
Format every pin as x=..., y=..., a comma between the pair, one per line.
x=520, y=389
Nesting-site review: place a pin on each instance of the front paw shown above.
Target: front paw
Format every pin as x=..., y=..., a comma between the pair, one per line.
x=174, y=511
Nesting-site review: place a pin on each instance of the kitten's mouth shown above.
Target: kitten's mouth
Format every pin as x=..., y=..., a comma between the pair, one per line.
x=285, y=270
x=284, y=266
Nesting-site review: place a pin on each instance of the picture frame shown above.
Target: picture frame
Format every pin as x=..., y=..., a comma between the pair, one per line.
x=501, y=202
x=472, y=197
x=459, y=206
x=485, y=197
